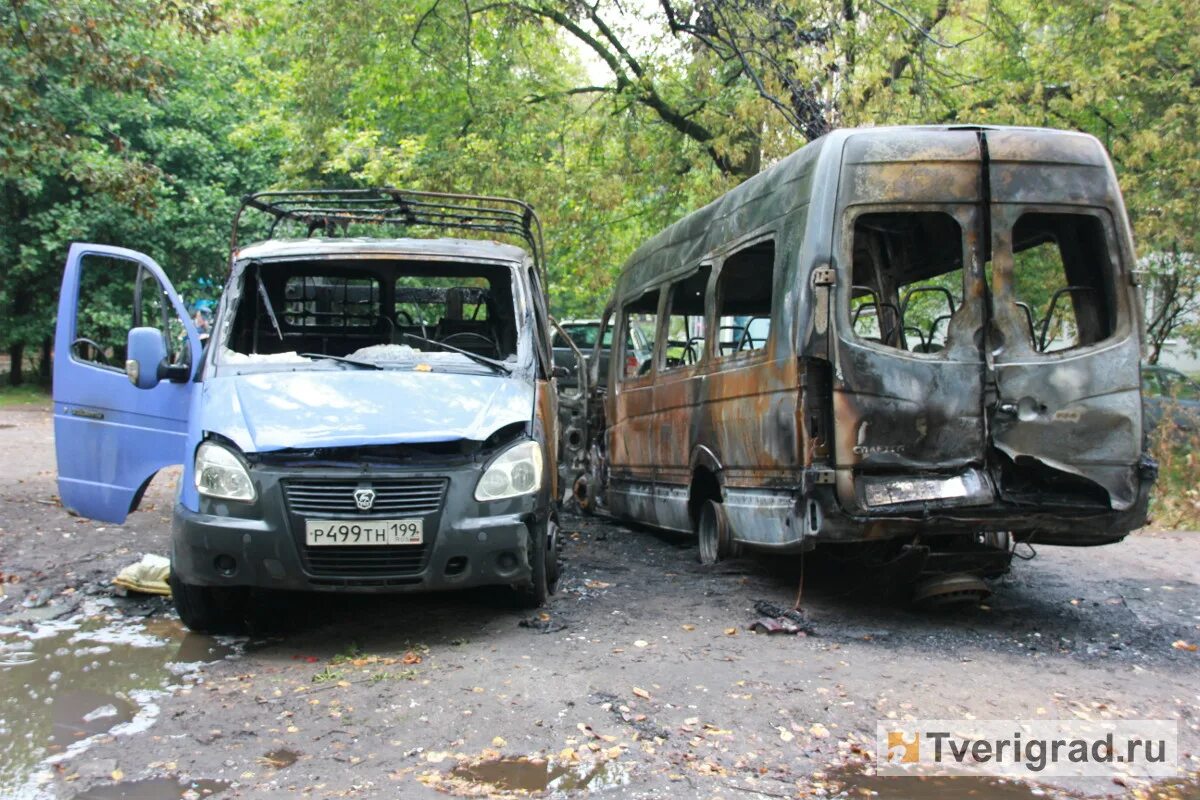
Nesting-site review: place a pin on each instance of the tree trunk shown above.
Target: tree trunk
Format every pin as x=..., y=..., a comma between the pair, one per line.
x=46, y=364
x=16, y=358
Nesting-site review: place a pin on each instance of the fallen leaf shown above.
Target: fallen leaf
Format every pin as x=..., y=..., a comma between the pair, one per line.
x=410, y=658
x=642, y=693
x=785, y=734
x=818, y=730
x=498, y=741
x=689, y=627
x=641, y=643
x=731, y=631
x=1180, y=644
x=117, y=775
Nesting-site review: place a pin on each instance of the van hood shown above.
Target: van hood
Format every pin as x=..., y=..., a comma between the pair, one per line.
x=269, y=411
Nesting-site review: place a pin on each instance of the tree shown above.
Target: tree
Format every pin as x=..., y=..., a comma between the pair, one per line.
x=425, y=96
x=101, y=142
x=1040, y=62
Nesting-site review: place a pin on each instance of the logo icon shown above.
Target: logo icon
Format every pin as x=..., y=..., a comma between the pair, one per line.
x=902, y=749
x=364, y=498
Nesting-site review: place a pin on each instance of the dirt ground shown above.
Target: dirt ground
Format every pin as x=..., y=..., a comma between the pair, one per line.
x=642, y=679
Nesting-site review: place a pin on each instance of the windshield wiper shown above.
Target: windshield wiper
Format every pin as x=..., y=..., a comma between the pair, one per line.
x=487, y=362
x=343, y=360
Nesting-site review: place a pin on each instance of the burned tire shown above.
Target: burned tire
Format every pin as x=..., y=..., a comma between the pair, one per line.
x=209, y=609
x=713, y=535
x=543, y=566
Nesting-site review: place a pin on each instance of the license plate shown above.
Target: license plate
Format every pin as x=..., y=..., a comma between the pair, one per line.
x=363, y=532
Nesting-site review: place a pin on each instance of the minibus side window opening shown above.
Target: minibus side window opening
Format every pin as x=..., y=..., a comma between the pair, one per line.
x=907, y=282
x=640, y=315
x=686, y=337
x=1062, y=280
x=744, y=294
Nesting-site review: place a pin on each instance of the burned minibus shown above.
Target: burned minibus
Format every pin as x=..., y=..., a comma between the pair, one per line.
x=924, y=341
x=374, y=410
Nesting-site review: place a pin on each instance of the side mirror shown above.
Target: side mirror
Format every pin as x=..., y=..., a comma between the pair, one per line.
x=146, y=357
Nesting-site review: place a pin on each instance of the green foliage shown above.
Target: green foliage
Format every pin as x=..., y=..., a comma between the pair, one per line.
x=104, y=143
x=612, y=120
x=1175, y=503
x=1126, y=73
x=416, y=95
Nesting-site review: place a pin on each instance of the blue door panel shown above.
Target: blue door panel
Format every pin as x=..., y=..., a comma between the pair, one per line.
x=110, y=436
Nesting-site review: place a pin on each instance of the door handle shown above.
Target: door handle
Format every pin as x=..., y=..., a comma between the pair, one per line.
x=86, y=413
x=1008, y=409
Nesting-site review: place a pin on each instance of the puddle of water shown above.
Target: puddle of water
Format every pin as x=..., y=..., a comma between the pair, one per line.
x=539, y=775
x=154, y=789
x=63, y=682
x=852, y=784
x=901, y=787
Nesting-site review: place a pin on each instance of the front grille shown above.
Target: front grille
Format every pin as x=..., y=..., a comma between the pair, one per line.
x=406, y=497
x=365, y=562
x=402, y=498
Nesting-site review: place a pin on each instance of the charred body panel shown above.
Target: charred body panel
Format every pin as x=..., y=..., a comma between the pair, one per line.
x=953, y=349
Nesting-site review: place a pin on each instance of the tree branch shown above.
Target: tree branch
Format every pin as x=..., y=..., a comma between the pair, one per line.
x=541, y=98
x=642, y=90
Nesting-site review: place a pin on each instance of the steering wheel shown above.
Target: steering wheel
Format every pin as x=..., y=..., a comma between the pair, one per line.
x=471, y=335
x=99, y=350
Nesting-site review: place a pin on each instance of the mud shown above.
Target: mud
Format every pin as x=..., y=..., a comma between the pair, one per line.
x=645, y=664
x=848, y=783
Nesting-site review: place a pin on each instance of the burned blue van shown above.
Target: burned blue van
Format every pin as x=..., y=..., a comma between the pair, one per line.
x=366, y=413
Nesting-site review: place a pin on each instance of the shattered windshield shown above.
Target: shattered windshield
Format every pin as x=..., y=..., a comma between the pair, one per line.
x=369, y=314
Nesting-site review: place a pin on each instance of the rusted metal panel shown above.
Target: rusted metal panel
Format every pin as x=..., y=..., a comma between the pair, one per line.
x=831, y=435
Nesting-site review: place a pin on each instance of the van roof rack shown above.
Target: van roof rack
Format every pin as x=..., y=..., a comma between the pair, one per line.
x=333, y=211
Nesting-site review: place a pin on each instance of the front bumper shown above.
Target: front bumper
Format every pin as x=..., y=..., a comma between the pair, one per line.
x=261, y=545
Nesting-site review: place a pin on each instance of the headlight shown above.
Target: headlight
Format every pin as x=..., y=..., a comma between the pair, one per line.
x=220, y=473
x=516, y=471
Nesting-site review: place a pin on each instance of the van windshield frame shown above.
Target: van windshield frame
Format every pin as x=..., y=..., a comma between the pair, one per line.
x=502, y=312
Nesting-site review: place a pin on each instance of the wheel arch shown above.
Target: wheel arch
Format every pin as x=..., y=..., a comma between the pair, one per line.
x=707, y=482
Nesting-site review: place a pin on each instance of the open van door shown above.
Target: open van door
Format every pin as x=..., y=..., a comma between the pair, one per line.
x=124, y=355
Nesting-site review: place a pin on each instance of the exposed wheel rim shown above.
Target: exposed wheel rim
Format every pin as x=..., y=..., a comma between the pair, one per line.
x=709, y=535
x=552, y=547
